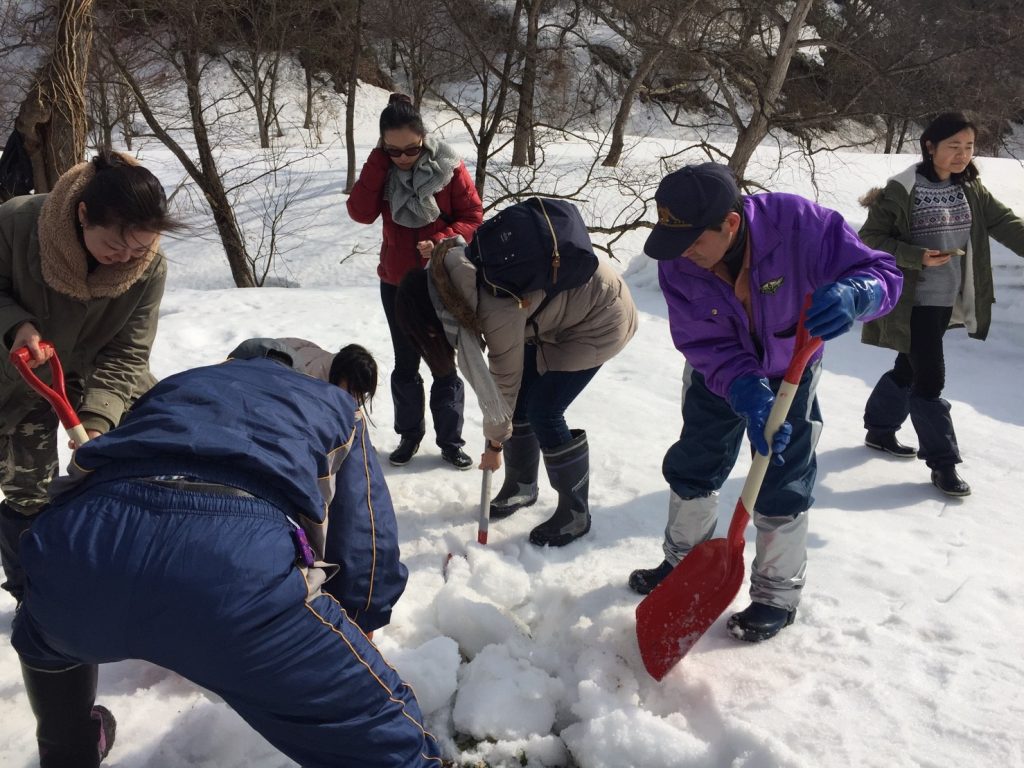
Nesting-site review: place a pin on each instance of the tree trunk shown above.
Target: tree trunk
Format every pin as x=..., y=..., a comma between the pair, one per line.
x=52, y=119
x=903, y=136
x=307, y=123
x=350, y=98
x=643, y=71
x=210, y=181
x=751, y=135
x=524, y=116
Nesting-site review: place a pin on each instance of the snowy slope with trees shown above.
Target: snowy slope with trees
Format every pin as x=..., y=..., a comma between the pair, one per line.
x=906, y=650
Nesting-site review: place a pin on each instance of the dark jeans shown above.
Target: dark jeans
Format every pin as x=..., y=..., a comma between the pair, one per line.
x=543, y=399
x=914, y=387
x=699, y=463
x=447, y=394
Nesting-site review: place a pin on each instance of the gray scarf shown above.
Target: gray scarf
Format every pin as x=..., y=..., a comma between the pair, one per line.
x=469, y=348
x=411, y=193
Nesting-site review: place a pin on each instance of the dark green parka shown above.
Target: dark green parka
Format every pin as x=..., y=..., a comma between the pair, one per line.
x=888, y=229
x=102, y=323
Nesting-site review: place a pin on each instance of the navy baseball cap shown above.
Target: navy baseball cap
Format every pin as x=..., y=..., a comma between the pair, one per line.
x=690, y=200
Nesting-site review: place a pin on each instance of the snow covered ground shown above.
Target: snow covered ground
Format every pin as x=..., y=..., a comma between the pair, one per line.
x=907, y=647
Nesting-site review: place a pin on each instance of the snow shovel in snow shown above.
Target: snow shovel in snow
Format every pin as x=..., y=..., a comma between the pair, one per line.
x=485, y=515
x=674, y=616
x=55, y=395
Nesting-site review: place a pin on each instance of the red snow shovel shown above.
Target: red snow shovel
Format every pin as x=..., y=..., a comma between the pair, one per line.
x=672, y=618
x=55, y=395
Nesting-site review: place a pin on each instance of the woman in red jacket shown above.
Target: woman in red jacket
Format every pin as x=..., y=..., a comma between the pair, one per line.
x=425, y=194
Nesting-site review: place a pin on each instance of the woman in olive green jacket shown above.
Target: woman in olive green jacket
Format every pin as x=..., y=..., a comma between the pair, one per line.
x=936, y=219
x=79, y=267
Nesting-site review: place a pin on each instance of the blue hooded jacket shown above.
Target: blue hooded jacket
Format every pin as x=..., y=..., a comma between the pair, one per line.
x=285, y=437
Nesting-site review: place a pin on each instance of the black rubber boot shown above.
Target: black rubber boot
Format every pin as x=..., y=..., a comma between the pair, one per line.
x=887, y=442
x=568, y=468
x=402, y=455
x=522, y=460
x=947, y=480
x=759, y=622
x=644, y=580
x=70, y=730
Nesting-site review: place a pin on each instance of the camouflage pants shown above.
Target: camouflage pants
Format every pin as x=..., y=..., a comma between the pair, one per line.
x=28, y=463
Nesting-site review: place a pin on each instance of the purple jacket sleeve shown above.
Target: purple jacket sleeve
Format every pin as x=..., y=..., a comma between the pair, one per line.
x=844, y=254
x=713, y=342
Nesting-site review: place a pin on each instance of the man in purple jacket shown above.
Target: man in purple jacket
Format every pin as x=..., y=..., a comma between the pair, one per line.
x=735, y=271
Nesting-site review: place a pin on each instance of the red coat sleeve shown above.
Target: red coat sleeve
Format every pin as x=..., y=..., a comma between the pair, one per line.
x=467, y=211
x=366, y=201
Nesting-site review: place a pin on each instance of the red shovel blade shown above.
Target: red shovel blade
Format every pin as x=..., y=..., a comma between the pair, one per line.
x=671, y=619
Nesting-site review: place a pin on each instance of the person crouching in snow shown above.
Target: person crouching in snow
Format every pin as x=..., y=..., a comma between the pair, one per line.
x=235, y=529
x=352, y=368
x=537, y=365
x=734, y=271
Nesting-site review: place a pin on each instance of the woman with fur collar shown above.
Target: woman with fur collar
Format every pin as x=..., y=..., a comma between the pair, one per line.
x=423, y=194
x=541, y=354
x=936, y=218
x=79, y=267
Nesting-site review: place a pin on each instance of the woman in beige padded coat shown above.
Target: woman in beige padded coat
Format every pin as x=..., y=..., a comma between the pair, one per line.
x=536, y=366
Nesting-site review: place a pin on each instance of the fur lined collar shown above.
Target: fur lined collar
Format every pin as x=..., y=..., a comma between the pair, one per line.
x=64, y=262
x=462, y=308
x=905, y=178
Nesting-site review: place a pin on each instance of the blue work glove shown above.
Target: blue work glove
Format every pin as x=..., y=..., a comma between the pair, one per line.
x=752, y=398
x=835, y=306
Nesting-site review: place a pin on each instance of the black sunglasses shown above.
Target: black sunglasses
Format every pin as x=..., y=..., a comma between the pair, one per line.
x=410, y=152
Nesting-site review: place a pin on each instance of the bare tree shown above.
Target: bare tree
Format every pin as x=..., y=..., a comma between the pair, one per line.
x=485, y=51
x=52, y=117
x=176, y=33
x=652, y=29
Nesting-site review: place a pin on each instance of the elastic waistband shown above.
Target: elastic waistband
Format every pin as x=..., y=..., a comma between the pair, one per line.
x=158, y=495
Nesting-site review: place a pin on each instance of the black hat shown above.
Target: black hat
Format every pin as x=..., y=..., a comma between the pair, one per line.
x=690, y=200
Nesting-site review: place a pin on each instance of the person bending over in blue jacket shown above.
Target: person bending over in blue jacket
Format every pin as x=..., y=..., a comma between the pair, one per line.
x=235, y=529
x=735, y=272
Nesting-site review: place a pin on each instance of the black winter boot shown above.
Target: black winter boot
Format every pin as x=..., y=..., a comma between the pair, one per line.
x=568, y=468
x=522, y=459
x=403, y=454
x=644, y=580
x=70, y=730
x=947, y=480
x=759, y=621
x=887, y=442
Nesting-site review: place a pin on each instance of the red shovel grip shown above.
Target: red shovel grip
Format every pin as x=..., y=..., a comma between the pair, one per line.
x=55, y=394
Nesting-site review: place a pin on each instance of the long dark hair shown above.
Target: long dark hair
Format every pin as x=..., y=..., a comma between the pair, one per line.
x=942, y=127
x=416, y=318
x=400, y=113
x=355, y=366
x=123, y=194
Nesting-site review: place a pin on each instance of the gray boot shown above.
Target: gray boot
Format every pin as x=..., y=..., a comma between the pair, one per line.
x=568, y=468
x=522, y=459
